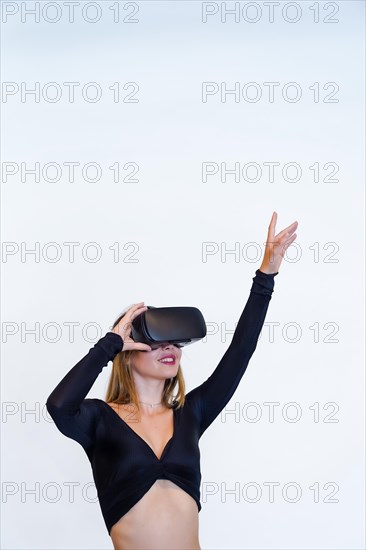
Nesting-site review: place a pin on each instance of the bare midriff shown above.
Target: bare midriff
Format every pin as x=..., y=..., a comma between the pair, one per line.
x=166, y=517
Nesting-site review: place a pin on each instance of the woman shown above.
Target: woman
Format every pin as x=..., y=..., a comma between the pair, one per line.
x=141, y=442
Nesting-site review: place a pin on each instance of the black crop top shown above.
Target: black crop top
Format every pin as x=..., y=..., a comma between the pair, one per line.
x=124, y=466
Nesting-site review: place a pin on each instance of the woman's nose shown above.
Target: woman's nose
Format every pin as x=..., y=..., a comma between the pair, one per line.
x=166, y=344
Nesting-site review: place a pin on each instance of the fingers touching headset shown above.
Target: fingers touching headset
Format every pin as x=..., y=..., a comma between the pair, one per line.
x=123, y=328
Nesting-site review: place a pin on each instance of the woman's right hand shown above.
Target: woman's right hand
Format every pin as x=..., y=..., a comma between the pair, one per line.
x=123, y=328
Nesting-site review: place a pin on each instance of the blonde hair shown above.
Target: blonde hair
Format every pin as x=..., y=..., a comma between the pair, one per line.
x=121, y=386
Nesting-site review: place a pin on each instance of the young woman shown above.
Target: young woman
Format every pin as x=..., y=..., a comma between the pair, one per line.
x=143, y=441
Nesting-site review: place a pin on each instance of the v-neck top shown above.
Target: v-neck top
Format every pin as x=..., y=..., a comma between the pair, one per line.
x=124, y=466
x=138, y=435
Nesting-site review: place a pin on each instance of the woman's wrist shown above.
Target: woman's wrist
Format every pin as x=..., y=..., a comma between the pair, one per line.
x=268, y=270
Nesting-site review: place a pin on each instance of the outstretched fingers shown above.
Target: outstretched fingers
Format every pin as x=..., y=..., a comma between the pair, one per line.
x=290, y=240
x=272, y=226
x=276, y=245
x=287, y=232
x=285, y=243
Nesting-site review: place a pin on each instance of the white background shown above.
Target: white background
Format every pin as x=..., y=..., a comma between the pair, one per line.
x=169, y=213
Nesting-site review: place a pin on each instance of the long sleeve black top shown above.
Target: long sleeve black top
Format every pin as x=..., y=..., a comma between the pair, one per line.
x=124, y=466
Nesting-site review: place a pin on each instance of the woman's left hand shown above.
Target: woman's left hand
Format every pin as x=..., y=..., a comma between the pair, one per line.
x=276, y=245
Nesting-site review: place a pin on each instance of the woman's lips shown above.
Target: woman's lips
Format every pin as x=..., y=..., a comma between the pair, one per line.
x=168, y=361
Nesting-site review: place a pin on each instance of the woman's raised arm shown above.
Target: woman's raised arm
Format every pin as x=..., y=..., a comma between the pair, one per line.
x=74, y=416
x=213, y=395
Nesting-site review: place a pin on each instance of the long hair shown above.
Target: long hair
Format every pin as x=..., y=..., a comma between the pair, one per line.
x=121, y=386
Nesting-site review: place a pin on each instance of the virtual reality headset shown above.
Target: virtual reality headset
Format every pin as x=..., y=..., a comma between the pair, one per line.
x=168, y=325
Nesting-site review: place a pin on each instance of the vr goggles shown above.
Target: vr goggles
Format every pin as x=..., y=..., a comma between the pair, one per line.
x=168, y=325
